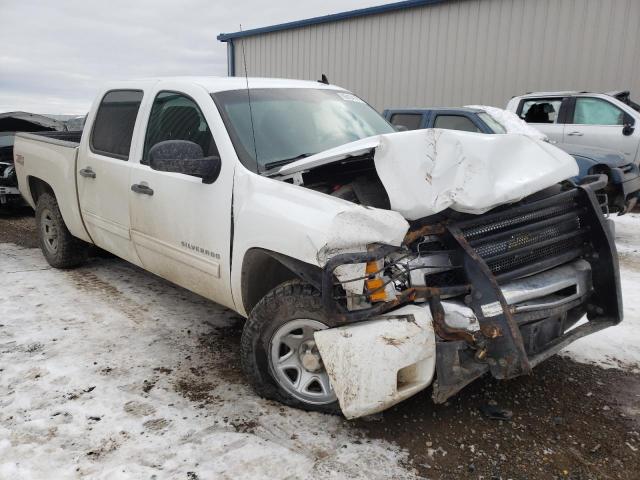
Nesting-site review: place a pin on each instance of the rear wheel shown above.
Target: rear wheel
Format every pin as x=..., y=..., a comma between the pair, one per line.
x=279, y=353
x=59, y=247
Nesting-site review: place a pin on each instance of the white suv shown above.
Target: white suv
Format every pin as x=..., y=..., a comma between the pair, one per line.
x=605, y=120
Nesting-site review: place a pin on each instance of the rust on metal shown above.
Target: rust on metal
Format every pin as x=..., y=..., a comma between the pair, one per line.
x=443, y=330
x=505, y=342
x=413, y=235
x=490, y=331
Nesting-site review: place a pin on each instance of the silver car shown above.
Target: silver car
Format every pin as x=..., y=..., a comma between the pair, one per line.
x=604, y=120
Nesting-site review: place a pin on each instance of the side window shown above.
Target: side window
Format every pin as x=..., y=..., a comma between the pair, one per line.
x=541, y=110
x=409, y=120
x=595, y=111
x=113, y=126
x=175, y=116
x=455, y=122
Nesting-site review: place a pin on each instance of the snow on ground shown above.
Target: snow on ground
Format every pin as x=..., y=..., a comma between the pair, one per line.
x=628, y=234
x=619, y=346
x=109, y=372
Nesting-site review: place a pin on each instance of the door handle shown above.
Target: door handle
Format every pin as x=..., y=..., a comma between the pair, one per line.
x=87, y=173
x=575, y=134
x=143, y=189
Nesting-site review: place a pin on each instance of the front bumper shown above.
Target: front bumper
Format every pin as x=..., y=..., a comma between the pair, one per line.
x=378, y=363
x=10, y=192
x=8, y=182
x=530, y=273
x=514, y=341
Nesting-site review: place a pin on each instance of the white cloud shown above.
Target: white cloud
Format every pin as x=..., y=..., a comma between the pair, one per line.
x=54, y=55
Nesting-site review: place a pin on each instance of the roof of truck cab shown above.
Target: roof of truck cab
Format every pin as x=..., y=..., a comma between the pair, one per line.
x=219, y=84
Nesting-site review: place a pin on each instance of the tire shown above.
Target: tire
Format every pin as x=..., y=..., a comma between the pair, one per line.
x=282, y=309
x=59, y=247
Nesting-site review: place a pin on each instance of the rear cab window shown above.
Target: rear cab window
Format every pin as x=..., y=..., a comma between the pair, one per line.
x=540, y=110
x=113, y=126
x=411, y=121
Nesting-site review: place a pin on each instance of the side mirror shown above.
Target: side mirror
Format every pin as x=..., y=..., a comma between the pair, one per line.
x=628, y=125
x=183, y=156
x=400, y=128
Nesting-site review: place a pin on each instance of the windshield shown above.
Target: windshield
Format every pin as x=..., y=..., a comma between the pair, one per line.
x=492, y=123
x=293, y=123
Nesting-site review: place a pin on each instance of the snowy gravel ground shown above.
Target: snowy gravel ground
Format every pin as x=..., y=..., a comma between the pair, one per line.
x=619, y=346
x=110, y=372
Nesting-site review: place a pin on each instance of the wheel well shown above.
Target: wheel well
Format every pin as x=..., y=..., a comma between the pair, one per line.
x=263, y=270
x=37, y=187
x=599, y=168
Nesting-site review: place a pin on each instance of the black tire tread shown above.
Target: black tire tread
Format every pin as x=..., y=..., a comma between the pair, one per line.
x=300, y=300
x=72, y=252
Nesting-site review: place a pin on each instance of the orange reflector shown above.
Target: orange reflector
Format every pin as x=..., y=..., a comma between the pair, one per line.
x=375, y=283
x=372, y=267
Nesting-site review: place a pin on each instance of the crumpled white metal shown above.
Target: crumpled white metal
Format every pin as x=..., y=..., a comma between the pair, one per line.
x=427, y=171
x=375, y=364
x=351, y=230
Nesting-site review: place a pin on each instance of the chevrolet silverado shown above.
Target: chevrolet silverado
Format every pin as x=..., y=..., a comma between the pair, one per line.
x=370, y=263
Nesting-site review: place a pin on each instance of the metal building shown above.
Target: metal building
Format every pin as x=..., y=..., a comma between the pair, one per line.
x=453, y=52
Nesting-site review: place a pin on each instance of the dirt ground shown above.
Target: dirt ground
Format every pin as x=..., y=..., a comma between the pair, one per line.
x=569, y=420
x=17, y=225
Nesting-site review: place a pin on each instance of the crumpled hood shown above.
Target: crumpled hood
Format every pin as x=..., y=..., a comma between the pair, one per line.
x=427, y=171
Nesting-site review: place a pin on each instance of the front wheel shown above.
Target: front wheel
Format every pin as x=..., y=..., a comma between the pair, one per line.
x=279, y=353
x=60, y=248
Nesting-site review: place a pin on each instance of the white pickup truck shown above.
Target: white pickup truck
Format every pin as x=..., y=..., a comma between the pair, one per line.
x=369, y=263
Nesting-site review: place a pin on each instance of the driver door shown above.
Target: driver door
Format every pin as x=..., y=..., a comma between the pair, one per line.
x=180, y=226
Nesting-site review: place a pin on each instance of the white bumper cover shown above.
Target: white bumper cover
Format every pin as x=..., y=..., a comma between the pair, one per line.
x=376, y=364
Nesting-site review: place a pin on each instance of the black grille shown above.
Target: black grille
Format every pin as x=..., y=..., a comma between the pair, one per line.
x=531, y=237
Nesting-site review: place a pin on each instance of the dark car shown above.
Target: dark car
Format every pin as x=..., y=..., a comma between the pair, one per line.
x=10, y=123
x=624, y=177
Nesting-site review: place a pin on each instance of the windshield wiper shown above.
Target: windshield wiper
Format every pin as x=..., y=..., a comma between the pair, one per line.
x=285, y=161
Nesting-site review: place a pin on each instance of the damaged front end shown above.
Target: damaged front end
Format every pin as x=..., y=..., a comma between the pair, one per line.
x=498, y=292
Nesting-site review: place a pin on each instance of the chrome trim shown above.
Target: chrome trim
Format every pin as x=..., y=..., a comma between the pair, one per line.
x=535, y=292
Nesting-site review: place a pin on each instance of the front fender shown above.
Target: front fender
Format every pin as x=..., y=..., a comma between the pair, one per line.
x=302, y=224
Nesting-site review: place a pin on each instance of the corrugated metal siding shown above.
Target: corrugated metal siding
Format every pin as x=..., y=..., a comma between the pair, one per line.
x=461, y=52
